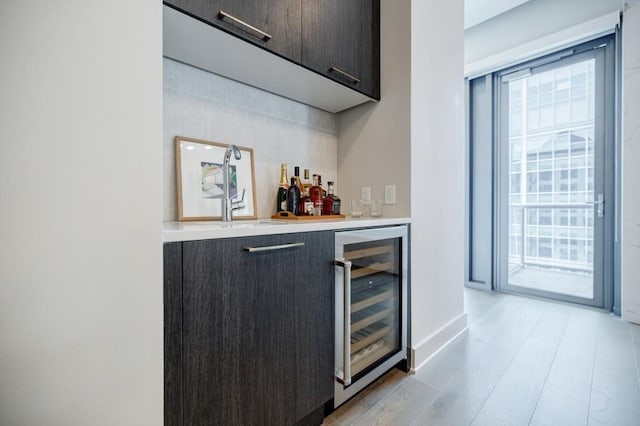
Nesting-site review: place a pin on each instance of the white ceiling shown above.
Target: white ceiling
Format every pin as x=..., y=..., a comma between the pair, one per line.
x=477, y=11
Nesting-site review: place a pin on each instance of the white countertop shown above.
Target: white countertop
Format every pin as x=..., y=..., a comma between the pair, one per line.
x=189, y=231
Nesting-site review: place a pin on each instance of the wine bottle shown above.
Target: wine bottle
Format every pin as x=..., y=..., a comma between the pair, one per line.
x=281, y=199
x=293, y=197
x=331, y=203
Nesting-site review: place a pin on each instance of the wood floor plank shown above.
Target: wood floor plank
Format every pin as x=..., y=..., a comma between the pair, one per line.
x=478, y=303
x=513, y=400
x=635, y=336
x=485, y=361
x=356, y=407
x=446, y=365
x=566, y=394
x=615, y=392
x=503, y=358
x=399, y=408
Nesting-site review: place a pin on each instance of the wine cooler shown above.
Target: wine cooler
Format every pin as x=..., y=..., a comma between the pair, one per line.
x=371, y=306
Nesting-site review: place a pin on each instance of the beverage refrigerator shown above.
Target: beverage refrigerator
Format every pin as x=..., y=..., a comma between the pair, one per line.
x=371, y=309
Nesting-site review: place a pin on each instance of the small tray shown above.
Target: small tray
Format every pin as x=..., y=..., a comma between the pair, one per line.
x=291, y=216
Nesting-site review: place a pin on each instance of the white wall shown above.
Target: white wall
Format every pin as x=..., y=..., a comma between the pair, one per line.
x=81, y=264
x=437, y=174
x=203, y=105
x=530, y=21
x=630, y=157
x=374, y=142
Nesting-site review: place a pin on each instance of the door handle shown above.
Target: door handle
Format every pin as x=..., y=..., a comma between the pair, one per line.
x=264, y=36
x=346, y=341
x=273, y=248
x=599, y=203
x=354, y=80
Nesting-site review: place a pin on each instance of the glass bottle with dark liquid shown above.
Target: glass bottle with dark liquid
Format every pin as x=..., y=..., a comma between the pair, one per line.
x=331, y=203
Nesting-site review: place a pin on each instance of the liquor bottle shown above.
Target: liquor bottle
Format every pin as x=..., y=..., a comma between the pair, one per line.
x=296, y=174
x=306, y=184
x=315, y=192
x=331, y=203
x=293, y=197
x=281, y=199
x=324, y=192
x=305, y=205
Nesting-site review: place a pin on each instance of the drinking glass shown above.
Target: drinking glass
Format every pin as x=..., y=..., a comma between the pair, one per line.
x=356, y=208
x=376, y=208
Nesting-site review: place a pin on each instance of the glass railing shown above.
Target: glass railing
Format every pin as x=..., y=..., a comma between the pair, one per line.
x=551, y=236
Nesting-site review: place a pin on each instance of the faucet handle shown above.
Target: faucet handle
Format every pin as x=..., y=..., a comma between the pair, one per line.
x=238, y=204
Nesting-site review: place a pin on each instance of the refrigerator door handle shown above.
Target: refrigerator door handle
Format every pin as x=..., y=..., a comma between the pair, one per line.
x=346, y=369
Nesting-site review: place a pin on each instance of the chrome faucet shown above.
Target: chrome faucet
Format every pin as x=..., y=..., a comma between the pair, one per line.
x=227, y=205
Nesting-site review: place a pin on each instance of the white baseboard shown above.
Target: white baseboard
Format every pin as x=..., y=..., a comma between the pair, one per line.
x=426, y=349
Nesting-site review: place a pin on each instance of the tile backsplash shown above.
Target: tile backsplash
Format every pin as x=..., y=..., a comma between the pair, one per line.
x=202, y=105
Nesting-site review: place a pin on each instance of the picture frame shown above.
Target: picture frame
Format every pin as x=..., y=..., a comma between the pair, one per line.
x=199, y=180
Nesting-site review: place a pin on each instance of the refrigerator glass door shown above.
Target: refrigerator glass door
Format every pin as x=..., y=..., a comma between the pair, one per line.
x=370, y=305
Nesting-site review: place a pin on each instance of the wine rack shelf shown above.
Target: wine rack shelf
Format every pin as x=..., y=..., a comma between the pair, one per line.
x=370, y=297
x=368, y=335
x=366, y=317
x=373, y=251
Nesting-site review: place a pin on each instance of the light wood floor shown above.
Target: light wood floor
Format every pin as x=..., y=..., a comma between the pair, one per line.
x=522, y=362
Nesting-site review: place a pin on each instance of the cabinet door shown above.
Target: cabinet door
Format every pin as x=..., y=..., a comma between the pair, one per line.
x=257, y=329
x=341, y=39
x=314, y=304
x=252, y=20
x=172, y=295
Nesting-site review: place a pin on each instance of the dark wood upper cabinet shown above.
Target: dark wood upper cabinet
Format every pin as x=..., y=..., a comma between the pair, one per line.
x=252, y=339
x=338, y=39
x=271, y=24
x=341, y=40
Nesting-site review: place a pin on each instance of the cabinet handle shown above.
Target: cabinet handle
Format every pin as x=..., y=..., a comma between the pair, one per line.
x=346, y=341
x=264, y=36
x=272, y=248
x=337, y=70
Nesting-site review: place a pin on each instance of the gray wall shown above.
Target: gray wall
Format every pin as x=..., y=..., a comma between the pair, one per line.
x=414, y=138
x=375, y=139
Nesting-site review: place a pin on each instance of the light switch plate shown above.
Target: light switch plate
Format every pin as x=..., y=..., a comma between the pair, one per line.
x=389, y=194
x=365, y=194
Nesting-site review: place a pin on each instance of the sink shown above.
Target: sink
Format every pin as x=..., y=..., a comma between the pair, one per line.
x=272, y=222
x=234, y=223
x=217, y=225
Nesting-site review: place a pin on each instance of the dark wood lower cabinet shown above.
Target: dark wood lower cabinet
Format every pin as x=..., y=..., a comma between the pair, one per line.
x=172, y=336
x=255, y=330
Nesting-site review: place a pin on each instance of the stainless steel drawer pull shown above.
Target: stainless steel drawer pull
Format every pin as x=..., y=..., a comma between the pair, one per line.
x=264, y=36
x=336, y=70
x=272, y=248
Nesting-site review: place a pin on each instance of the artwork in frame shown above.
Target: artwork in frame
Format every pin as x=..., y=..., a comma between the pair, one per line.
x=199, y=172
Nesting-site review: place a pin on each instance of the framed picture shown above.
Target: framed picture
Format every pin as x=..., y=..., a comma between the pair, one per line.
x=199, y=175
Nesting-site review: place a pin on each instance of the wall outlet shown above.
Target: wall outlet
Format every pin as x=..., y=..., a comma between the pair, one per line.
x=365, y=194
x=389, y=194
